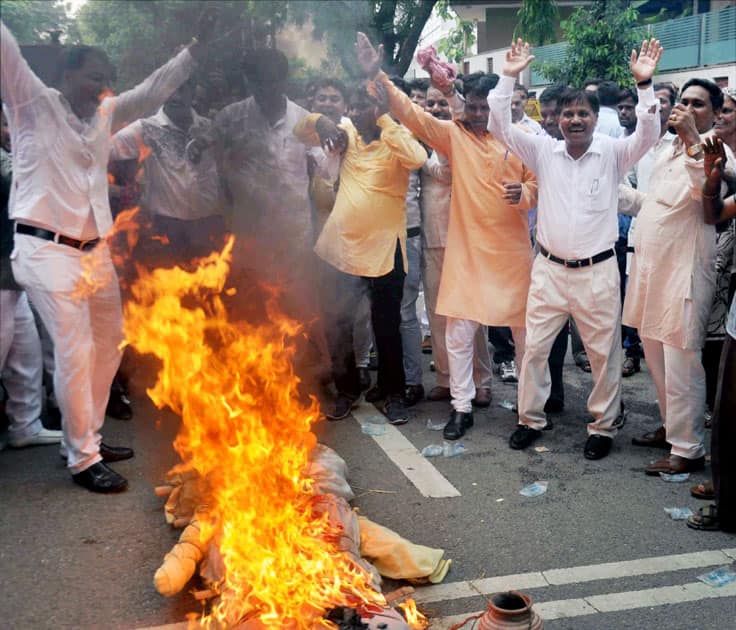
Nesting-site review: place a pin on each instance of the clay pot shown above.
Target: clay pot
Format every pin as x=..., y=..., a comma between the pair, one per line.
x=510, y=611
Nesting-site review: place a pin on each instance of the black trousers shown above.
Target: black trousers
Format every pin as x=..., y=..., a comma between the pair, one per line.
x=341, y=297
x=723, y=439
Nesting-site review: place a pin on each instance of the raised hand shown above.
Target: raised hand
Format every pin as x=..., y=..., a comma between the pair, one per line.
x=645, y=63
x=369, y=58
x=518, y=57
x=714, y=162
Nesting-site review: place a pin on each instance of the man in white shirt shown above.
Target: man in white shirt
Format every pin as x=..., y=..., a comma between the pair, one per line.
x=576, y=272
x=608, y=122
x=518, y=113
x=59, y=201
x=181, y=189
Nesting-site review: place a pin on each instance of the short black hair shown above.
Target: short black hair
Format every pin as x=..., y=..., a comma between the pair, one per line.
x=670, y=88
x=571, y=96
x=592, y=81
x=421, y=84
x=400, y=83
x=480, y=86
x=716, y=93
x=551, y=93
x=74, y=58
x=266, y=65
x=521, y=88
x=628, y=93
x=608, y=92
x=328, y=82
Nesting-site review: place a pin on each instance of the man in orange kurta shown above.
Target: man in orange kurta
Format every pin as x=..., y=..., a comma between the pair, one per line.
x=487, y=266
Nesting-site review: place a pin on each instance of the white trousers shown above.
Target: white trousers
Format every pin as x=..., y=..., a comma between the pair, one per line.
x=86, y=332
x=679, y=379
x=21, y=365
x=460, y=339
x=591, y=296
x=482, y=372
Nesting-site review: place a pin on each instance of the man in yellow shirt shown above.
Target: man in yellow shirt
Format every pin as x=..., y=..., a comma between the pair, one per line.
x=364, y=241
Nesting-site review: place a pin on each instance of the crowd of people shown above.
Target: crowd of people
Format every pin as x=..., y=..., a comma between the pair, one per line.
x=356, y=202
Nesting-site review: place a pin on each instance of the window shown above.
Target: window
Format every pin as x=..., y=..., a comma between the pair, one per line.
x=489, y=65
x=466, y=67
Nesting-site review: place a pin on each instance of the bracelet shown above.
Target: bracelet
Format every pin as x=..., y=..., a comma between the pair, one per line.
x=644, y=84
x=707, y=196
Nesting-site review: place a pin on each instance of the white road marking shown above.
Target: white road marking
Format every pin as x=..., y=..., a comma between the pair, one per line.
x=427, y=479
x=576, y=607
x=613, y=602
x=575, y=575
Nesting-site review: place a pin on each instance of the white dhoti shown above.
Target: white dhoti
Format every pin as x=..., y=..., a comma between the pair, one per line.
x=591, y=295
x=86, y=332
x=482, y=374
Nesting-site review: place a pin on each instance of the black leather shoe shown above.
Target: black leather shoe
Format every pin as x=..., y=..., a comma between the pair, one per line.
x=458, y=424
x=413, y=394
x=374, y=394
x=115, y=453
x=99, y=478
x=523, y=437
x=597, y=447
x=364, y=376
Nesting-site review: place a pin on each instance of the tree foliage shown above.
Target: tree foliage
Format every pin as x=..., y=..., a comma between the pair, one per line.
x=31, y=20
x=462, y=36
x=537, y=19
x=600, y=38
x=397, y=24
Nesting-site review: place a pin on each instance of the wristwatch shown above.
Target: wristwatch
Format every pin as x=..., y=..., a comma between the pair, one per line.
x=695, y=150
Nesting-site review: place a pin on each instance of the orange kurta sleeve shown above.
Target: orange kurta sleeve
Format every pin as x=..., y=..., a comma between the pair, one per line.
x=432, y=131
x=306, y=130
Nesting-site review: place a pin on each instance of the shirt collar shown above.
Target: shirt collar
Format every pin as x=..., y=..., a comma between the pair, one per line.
x=595, y=146
x=160, y=118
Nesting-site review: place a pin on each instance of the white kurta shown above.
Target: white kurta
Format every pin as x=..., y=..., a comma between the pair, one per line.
x=670, y=290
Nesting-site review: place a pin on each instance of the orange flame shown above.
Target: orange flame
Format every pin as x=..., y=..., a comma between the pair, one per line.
x=415, y=619
x=247, y=433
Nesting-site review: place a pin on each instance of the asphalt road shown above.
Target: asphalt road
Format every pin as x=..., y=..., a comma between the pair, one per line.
x=72, y=559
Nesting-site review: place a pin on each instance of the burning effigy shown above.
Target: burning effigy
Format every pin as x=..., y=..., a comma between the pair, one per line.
x=264, y=507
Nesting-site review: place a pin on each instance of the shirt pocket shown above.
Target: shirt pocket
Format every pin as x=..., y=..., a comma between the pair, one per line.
x=597, y=194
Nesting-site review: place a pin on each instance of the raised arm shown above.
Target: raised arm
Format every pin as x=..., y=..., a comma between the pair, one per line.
x=434, y=132
x=631, y=149
x=715, y=209
x=18, y=83
x=145, y=98
x=525, y=145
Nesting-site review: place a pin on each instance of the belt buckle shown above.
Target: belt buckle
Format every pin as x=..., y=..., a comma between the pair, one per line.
x=83, y=245
x=572, y=264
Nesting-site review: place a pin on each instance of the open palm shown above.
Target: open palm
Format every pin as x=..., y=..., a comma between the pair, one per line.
x=645, y=63
x=517, y=58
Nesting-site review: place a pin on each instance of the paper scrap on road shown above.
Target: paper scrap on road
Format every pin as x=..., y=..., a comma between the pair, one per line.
x=541, y=449
x=679, y=514
x=435, y=426
x=719, y=577
x=535, y=489
x=678, y=478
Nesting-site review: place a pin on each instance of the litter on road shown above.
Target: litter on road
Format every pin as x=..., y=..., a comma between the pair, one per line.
x=679, y=514
x=719, y=577
x=678, y=478
x=535, y=489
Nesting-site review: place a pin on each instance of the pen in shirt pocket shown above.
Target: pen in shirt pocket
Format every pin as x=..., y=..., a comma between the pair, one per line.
x=506, y=155
x=594, y=186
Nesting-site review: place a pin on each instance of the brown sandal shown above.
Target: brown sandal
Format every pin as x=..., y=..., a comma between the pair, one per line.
x=703, y=491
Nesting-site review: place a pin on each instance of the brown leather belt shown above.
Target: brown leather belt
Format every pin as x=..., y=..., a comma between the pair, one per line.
x=48, y=235
x=574, y=264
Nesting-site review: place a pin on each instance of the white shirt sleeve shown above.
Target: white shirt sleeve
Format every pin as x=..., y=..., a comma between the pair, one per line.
x=526, y=146
x=147, y=97
x=18, y=83
x=631, y=149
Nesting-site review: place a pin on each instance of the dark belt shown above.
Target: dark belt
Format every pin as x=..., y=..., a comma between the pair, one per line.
x=48, y=235
x=583, y=262
x=414, y=231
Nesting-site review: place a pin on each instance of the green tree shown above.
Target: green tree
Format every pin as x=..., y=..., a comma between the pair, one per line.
x=460, y=38
x=600, y=38
x=537, y=19
x=397, y=24
x=31, y=20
